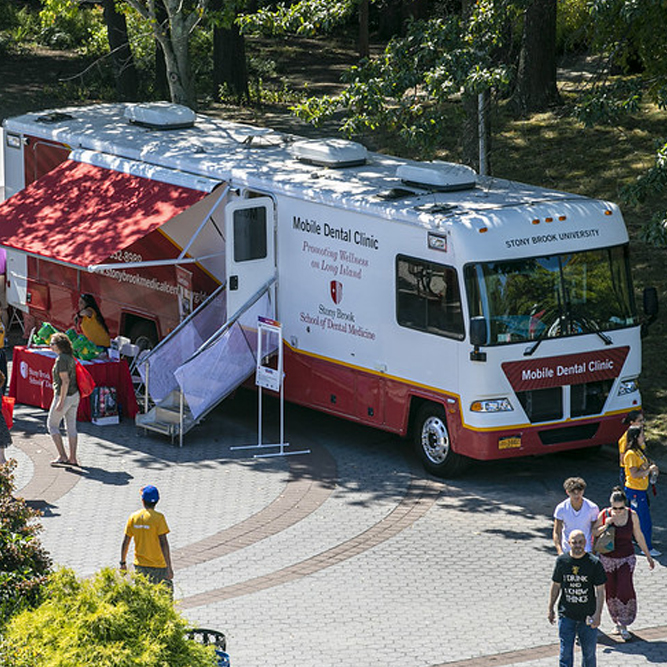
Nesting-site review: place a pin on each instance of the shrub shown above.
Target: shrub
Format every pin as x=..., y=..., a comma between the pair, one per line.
x=108, y=621
x=24, y=564
x=573, y=29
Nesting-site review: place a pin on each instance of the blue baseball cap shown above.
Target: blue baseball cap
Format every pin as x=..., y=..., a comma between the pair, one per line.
x=150, y=494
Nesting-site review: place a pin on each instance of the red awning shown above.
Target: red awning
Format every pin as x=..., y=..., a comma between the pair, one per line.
x=81, y=214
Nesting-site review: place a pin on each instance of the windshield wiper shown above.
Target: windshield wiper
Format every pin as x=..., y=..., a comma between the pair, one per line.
x=605, y=338
x=529, y=351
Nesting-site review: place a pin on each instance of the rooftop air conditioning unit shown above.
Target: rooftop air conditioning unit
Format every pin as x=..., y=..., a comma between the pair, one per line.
x=442, y=176
x=160, y=115
x=330, y=152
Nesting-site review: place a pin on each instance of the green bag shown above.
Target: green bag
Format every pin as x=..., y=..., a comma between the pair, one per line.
x=46, y=331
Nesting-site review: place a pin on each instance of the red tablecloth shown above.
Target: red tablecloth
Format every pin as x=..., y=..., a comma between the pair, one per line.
x=31, y=381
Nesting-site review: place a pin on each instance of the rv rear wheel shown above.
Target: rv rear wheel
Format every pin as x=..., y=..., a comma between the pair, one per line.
x=433, y=444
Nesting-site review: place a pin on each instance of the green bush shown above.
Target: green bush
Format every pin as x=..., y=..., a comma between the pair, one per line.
x=67, y=25
x=573, y=25
x=8, y=15
x=110, y=620
x=24, y=564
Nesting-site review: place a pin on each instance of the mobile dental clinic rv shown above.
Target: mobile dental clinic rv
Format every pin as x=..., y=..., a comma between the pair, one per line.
x=486, y=318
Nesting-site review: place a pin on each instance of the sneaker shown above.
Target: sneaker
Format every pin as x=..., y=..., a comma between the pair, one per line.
x=625, y=634
x=655, y=553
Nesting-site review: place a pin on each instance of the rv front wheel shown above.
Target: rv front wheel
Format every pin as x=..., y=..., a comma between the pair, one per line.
x=433, y=444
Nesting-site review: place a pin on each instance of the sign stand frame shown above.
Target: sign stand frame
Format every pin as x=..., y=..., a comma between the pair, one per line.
x=270, y=378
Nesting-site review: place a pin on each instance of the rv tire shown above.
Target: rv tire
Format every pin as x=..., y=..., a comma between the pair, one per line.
x=433, y=443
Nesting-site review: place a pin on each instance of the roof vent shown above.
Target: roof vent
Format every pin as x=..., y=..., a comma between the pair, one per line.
x=160, y=115
x=330, y=152
x=442, y=176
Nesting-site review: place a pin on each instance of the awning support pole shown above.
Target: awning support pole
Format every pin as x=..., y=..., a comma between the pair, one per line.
x=204, y=221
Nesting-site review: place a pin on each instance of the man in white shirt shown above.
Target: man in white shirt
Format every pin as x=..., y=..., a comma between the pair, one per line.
x=575, y=513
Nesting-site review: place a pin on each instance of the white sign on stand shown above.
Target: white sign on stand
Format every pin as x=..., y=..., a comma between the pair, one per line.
x=270, y=339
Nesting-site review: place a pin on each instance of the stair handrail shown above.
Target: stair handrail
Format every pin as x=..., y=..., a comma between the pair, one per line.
x=234, y=318
x=186, y=321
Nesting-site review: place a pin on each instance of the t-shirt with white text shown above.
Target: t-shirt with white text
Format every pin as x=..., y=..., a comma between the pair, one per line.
x=578, y=578
x=146, y=526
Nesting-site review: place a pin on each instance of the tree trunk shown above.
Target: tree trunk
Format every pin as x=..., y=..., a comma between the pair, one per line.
x=470, y=144
x=161, y=85
x=364, y=45
x=124, y=71
x=396, y=13
x=175, y=46
x=536, y=87
x=229, y=62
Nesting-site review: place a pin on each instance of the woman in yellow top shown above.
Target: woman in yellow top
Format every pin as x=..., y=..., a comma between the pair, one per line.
x=638, y=470
x=633, y=418
x=90, y=321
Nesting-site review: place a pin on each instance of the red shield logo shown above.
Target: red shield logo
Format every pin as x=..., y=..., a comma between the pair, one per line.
x=336, y=291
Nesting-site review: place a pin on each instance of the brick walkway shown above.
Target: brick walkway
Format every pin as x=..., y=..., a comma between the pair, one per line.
x=347, y=556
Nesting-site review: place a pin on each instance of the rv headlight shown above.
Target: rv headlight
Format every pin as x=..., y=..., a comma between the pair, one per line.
x=13, y=140
x=628, y=387
x=493, y=405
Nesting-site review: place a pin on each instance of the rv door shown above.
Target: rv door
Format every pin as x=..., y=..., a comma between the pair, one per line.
x=250, y=253
x=17, y=279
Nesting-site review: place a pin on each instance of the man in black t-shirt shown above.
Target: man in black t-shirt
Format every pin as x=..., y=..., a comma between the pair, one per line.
x=579, y=580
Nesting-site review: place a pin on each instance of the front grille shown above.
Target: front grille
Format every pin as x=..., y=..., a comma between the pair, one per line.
x=589, y=398
x=557, y=436
x=542, y=405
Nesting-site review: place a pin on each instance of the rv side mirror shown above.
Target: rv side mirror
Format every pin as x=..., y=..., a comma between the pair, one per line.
x=477, y=331
x=650, y=308
x=477, y=338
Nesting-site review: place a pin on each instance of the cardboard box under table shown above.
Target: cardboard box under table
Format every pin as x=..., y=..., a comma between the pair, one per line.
x=31, y=382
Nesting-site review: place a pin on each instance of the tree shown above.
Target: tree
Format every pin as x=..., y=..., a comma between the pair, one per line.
x=536, y=87
x=229, y=53
x=125, y=72
x=630, y=36
x=409, y=88
x=173, y=35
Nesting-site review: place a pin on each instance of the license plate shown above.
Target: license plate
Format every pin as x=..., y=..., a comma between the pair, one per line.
x=509, y=443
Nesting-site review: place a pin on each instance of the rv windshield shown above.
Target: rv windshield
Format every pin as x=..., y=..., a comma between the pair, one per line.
x=550, y=297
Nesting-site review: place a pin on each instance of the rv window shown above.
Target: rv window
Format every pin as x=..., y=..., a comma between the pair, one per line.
x=249, y=234
x=428, y=297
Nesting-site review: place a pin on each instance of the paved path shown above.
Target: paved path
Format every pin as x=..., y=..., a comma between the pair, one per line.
x=349, y=556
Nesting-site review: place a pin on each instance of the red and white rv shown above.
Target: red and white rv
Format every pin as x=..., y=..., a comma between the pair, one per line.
x=488, y=318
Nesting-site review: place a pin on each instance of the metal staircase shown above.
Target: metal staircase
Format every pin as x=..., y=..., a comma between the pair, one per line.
x=201, y=362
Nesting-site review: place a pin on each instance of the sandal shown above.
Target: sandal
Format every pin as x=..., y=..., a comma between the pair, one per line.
x=625, y=634
x=59, y=462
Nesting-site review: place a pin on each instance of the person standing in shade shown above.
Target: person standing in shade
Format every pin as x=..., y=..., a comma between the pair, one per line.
x=574, y=513
x=149, y=529
x=578, y=584
x=90, y=321
x=65, y=402
x=638, y=472
x=5, y=436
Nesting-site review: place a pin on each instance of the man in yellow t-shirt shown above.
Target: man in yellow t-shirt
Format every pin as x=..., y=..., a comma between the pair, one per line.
x=149, y=529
